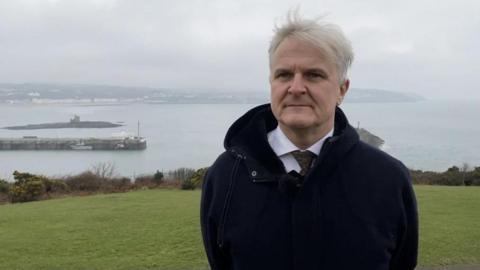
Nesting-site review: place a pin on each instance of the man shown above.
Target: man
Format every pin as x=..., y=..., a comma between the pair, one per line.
x=295, y=188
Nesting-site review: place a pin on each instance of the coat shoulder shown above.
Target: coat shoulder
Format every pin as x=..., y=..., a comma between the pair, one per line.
x=374, y=162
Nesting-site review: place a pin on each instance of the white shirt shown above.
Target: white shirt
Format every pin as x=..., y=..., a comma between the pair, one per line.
x=282, y=146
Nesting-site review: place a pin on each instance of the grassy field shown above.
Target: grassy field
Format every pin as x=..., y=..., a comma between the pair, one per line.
x=154, y=229
x=449, y=225
x=159, y=229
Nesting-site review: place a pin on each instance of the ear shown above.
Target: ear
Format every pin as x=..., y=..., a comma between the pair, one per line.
x=344, y=88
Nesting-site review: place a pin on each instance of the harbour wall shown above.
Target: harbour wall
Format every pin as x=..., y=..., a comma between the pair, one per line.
x=35, y=143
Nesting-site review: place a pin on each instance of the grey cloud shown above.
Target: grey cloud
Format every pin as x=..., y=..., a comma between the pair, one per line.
x=424, y=46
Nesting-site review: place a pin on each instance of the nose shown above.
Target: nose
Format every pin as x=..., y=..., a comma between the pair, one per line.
x=297, y=86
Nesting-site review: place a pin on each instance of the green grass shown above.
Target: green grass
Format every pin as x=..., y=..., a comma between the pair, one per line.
x=159, y=229
x=155, y=229
x=449, y=225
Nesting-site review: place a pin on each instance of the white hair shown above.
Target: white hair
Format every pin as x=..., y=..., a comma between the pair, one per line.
x=328, y=37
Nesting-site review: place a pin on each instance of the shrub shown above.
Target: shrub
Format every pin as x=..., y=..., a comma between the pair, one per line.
x=86, y=181
x=195, y=180
x=158, y=177
x=144, y=181
x=89, y=181
x=454, y=176
x=104, y=170
x=197, y=177
x=476, y=182
x=475, y=177
x=27, y=187
x=55, y=186
x=4, y=186
x=181, y=177
x=29, y=191
x=188, y=184
x=121, y=184
x=156, y=180
x=180, y=174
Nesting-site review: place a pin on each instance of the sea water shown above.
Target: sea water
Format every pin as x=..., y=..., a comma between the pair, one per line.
x=427, y=135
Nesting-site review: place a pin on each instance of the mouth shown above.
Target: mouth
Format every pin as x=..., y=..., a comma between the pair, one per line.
x=297, y=105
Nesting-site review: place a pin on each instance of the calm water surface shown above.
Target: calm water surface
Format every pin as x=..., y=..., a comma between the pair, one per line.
x=429, y=135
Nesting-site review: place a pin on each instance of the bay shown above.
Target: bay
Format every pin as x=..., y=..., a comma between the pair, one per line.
x=428, y=135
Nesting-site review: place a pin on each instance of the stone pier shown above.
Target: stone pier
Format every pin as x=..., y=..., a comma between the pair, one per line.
x=80, y=144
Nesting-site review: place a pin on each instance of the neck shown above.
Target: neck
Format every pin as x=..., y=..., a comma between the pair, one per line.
x=303, y=138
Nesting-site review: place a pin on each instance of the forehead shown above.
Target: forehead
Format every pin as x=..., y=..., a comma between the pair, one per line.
x=292, y=51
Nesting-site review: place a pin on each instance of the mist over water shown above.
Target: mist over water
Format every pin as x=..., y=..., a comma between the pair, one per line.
x=428, y=135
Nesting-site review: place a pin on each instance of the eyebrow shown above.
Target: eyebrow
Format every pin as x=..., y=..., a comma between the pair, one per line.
x=320, y=70
x=280, y=70
x=316, y=70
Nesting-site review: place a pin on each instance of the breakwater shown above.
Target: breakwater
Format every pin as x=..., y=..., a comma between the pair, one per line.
x=36, y=143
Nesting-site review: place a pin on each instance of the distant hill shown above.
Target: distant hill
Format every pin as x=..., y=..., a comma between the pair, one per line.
x=92, y=94
x=377, y=95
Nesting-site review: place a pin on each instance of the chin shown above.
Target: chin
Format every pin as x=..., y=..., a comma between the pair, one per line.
x=296, y=123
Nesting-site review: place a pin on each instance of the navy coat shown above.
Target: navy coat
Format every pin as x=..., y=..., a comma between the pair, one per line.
x=355, y=209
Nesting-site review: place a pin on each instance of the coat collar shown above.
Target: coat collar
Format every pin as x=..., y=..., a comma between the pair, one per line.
x=247, y=137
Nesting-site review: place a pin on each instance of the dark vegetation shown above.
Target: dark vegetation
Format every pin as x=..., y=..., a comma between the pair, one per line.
x=102, y=178
x=454, y=176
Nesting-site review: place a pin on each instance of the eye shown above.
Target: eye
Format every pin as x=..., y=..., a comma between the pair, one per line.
x=283, y=75
x=315, y=75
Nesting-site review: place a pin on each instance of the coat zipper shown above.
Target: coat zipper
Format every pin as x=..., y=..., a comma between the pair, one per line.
x=226, y=205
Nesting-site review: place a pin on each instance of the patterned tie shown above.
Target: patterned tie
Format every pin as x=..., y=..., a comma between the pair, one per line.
x=304, y=159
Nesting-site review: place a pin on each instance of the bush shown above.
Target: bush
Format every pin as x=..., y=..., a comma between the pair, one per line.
x=89, y=181
x=29, y=191
x=158, y=177
x=27, y=187
x=188, y=184
x=180, y=174
x=55, y=186
x=145, y=181
x=197, y=177
x=86, y=181
x=474, y=177
x=424, y=178
x=454, y=176
x=476, y=182
x=104, y=170
x=121, y=184
x=195, y=180
x=181, y=177
x=4, y=186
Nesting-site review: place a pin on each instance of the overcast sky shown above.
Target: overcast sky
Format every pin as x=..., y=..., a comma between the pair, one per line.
x=428, y=47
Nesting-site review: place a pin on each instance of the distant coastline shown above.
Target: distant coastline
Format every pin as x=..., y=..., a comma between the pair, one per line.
x=113, y=95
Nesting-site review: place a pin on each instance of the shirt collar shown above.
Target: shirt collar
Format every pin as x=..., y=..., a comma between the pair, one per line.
x=281, y=145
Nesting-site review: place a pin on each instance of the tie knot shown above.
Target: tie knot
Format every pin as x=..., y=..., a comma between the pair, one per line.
x=304, y=159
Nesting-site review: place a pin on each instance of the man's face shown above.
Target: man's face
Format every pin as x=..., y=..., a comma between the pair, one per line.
x=304, y=88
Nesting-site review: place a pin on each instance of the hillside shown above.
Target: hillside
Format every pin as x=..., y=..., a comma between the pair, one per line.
x=73, y=93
